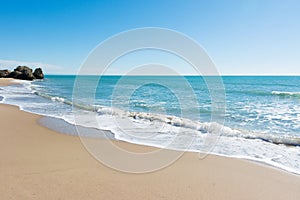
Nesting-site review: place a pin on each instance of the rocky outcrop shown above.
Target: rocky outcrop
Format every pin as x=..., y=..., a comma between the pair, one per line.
x=23, y=72
x=38, y=73
x=4, y=73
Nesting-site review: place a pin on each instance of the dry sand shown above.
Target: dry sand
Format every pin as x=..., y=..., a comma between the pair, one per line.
x=6, y=81
x=38, y=163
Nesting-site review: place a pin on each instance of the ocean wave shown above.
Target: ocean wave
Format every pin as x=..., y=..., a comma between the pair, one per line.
x=265, y=93
x=249, y=92
x=53, y=98
x=59, y=99
x=286, y=94
x=200, y=127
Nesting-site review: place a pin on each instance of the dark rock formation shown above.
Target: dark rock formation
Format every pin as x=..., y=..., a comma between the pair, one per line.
x=38, y=73
x=4, y=73
x=23, y=72
x=23, y=69
x=15, y=74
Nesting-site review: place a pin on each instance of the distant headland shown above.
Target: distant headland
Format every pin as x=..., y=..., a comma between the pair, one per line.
x=23, y=73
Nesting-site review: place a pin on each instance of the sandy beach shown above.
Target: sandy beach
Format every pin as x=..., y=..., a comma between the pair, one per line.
x=6, y=81
x=38, y=163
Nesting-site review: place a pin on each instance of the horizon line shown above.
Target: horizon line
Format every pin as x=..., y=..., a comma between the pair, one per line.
x=172, y=75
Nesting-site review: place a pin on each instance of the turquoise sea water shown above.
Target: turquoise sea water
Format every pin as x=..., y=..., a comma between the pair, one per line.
x=261, y=120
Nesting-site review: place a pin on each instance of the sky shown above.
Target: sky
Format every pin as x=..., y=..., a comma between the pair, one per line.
x=242, y=37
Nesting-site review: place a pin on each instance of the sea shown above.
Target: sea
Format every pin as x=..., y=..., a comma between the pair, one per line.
x=252, y=117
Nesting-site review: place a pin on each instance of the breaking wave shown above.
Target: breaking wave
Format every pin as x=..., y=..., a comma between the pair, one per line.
x=286, y=94
x=200, y=127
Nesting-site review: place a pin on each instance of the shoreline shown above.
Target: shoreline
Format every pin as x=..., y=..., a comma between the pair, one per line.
x=37, y=162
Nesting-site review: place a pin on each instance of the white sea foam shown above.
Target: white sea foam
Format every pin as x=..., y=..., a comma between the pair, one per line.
x=289, y=93
x=59, y=99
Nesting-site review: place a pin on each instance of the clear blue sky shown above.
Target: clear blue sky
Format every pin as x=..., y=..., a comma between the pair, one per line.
x=242, y=37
